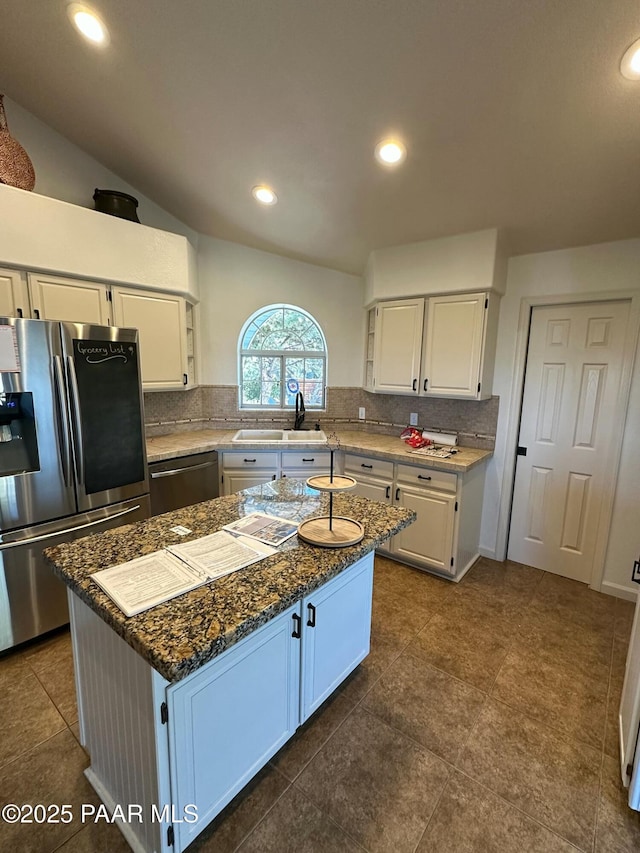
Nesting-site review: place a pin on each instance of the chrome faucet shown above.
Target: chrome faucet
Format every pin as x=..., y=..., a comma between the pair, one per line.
x=299, y=411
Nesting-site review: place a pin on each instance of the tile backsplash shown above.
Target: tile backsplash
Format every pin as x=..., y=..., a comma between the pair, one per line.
x=216, y=407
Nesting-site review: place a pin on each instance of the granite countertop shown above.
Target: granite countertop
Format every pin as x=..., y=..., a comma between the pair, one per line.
x=179, y=636
x=351, y=441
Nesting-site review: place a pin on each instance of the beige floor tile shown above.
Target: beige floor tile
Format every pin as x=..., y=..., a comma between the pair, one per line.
x=398, y=618
x=612, y=731
x=618, y=825
x=101, y=837
x=619, y=661
x=470, y=819
x=507, y=581
x=295, y=825
x=563, y=641
x=553, y=780
x=465, y=648
x=413, y=584
x=27, y=716
x=51, y=650
x=426, y=704
x=376, y=784
x=51, y=774
x=59, y=682
x=297, y=753
x=625, y=611
x=12, y=665
x=575, y=602
x=242, y=814
x=384, y=650
x=556, y=693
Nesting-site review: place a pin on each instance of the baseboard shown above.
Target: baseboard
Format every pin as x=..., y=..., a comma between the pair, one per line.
x=619, y=591
x=487, y=552
x=130, y=836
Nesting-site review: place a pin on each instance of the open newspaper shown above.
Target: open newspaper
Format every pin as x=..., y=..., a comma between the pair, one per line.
x=142, y=583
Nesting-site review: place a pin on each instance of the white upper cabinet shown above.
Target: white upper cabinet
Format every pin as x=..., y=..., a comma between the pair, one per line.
x=454, y=347
x=397, y=346
x=14, y=298
x=161, y=323
x=442, y=346
x=72, y=300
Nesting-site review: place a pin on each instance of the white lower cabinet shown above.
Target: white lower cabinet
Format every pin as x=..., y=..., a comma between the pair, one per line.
x=241, y=470
x=374, y=480
x=228, y=719
x=190, y=746
x=429, y=540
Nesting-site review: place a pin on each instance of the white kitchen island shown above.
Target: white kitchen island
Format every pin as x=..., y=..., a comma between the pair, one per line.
x=180, y=706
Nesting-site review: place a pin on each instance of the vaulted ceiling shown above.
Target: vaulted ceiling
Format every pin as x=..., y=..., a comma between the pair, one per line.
x=514, y=114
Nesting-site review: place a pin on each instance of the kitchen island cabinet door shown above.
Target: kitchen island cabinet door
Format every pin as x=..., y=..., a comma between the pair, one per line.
x=229, y=718
x=336, y=632
x=161, y=321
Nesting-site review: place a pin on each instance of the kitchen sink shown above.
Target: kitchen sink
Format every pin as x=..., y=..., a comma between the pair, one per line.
x=282, y=436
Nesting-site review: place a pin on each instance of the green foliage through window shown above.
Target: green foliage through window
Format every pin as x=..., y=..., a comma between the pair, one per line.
x=277, y=344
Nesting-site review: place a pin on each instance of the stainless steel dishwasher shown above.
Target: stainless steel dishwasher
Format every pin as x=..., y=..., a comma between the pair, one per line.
x=183, y=481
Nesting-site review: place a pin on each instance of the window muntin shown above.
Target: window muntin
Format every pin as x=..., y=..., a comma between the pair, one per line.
x=277, y=344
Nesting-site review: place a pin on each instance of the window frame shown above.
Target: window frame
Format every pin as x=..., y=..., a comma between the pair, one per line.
x=283, y=355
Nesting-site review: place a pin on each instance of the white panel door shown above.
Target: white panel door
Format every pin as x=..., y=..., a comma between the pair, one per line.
x=572, y=381
x=629, y=717
x=398, y=345
x=71, y=300
x=453, y=345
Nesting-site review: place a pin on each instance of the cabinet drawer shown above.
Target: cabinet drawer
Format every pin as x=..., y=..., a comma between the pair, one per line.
x=428, y=477
x=306, y=459
x=250, y=459
x=367, y=466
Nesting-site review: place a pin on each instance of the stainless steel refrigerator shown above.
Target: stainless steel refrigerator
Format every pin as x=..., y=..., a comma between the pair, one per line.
x=72, y=456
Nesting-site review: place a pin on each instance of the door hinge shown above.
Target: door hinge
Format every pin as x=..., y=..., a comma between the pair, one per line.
x=456, y=507
x=164, y=713
x=635, y=575
x=521, y=451
x=486, y=303
x=452, y=561
x=109, y=296
x=170, y=836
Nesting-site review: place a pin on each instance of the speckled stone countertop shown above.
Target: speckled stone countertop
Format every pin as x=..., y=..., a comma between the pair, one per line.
x=370, y=444
x=179, y=636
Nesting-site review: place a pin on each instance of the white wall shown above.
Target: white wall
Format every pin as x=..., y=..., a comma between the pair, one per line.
x=235, y=281
x=65, y=172
x=465, y=262
x=603, y=268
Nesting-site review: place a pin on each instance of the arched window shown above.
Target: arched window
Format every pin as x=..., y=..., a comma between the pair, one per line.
x=281, y=350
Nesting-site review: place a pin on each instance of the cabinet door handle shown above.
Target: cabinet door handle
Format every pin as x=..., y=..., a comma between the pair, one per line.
x=19, y=312
x=424, y=386
x=297, y=626
x=398, y=494
x=311, y=621
x=420, y=477
x=313, y=459
x=387, y=493
x=185, y=379
x=635, y=575
x=249, y=460
x=362, y=465
x=415, y=384
x=36, y=313
x=273, y=476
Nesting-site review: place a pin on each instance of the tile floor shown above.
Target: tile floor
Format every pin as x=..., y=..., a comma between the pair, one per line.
x=484, y=719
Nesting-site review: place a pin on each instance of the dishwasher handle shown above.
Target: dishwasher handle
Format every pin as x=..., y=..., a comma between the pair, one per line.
x=174, y=471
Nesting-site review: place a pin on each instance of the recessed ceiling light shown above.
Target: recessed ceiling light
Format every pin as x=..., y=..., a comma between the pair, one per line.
x=264, y=195
x=390, y=152
x=88, y=24
x=630, y=64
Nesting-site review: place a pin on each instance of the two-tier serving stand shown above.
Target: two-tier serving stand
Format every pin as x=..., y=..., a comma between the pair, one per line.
x=331, y=531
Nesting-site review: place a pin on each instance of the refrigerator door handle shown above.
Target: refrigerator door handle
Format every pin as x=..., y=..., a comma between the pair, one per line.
x=62, y=423
x=77, y=423
x=56, y=533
